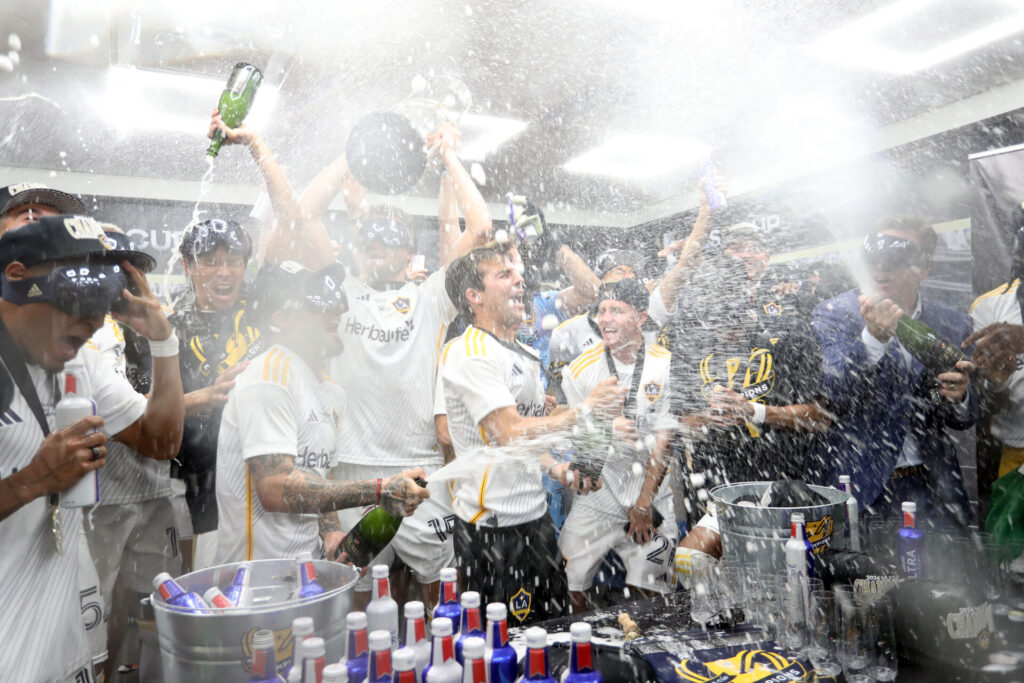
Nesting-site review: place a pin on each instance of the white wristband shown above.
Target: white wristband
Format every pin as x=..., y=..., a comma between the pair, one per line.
x=165, y=348
x=759, y=413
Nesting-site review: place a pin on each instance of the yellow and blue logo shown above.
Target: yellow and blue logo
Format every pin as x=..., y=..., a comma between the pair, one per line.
x=401, y=304
x=520, y=604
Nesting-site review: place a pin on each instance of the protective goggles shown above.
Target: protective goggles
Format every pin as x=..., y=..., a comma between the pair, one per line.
x=387, y=231
x=81, y=290
x=890, y=252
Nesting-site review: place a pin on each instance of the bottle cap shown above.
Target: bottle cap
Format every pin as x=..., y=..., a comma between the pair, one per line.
x=159, y=579
x=414, y=610
x=470, y=599
x=908, y=506
x=844, y=478
x=380, y=640
x=448, y=574
x=355, y=621
x=312, y=648
x=212, y=594
x=580, y=632
x=536, y=637
x=335, y=673
x=301, y=627
x=442, y=626
x=403, y=659
x=796, y=518
x=473, y=648
x=381, y=571
x=262, y=639
x=496, y=611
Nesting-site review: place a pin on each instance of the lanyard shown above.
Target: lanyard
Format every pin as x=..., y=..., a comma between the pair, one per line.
x=629, y=410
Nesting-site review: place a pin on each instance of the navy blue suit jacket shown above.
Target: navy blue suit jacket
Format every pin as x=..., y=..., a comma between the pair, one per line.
x=877, y=405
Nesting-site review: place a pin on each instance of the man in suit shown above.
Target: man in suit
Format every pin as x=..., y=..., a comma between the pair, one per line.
x=893, y=415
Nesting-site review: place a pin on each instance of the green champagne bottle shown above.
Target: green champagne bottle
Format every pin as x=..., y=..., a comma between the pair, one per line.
x=591, y=448
x=926, y=345
x=370, y=535
x=236, y=100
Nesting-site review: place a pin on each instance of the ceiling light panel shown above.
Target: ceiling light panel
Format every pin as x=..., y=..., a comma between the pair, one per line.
x=638, y=156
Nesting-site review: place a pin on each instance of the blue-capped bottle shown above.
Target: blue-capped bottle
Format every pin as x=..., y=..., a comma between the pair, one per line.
x=502, y=662
x=536, y=666
x=264, y=658
x=852, y=514
x=379, y=670
x=240, y=590
x=448, y=605
x=357, y=653
x=309, y=587
x=910, y=544
x=175, y=595
x=581, y=657
x=472, y=622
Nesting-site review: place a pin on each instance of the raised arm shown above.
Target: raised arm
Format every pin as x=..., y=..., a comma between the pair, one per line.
x=468, y=198
x=673, y=282
x=448, y=219
x=584, y=283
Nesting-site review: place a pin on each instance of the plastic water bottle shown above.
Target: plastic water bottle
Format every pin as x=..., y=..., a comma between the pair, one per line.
x=581, y=657
x=264, y=659
x=709, y=174
x=472, y=622
x=240, y=590
x=416, y=635
x=380, y=657
x=536, y=666
x=448, y=606
x=852, y=514
x=474, y=668
x=382, y=612
x=502, y=662
x=443, y=667
x=72, y=407
x=403, y=665
x=217, y=601
x=309, y=587
x=357, y=652
x=335, y=673
x=910, y=544
x=313, y=653
x=175, y=595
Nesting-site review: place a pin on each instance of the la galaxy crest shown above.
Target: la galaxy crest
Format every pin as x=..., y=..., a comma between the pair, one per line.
x=520, y=604
x=401, y=304
x=652, y=390
x=772, y=308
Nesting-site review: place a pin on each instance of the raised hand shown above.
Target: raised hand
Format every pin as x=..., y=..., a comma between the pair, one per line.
x=400, y=495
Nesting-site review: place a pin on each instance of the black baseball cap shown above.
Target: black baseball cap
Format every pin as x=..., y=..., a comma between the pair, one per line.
x=391, y=232
x=56, y=238
x=744, y=231
x=291, y=286
x=891, y=252
x=619, y=257
x=121, y=247
x=627, y=290
x=20, y=194
x=206, y=236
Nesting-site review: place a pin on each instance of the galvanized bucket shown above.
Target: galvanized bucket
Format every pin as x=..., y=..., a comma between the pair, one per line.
x=218, y=647
x=758, y=535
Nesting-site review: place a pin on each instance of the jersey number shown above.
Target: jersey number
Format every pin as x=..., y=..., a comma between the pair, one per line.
x=657, y=556
x=92, y=611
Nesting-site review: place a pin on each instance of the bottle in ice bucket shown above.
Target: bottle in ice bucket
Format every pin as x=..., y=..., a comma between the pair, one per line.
x=313, y=652
x=472, y=622
x=236, y=100
x=799, y=551
x=264, y=660
x=380, y=658
x=536, y=666
x=581, y=657
x=443, y=667
x=448, y=606
x=240, y=590
x=309, y=587
x=173, y=594
x=72, y=407
x=416, y=635
x=302, y=628
x=217, y=601
x=852, y=514
x=382, y=612
x=926, y=345
x=371, y=534
x=910, y=544
x=403, y=664
x=474, y=668
x=335, y=673
x=502, y=662
x=357, y=652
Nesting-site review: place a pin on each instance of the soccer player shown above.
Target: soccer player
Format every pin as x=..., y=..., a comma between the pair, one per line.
x=504, y=538
x=27, y=202
x=279, y=434
x=620, y=515
x=58, y=285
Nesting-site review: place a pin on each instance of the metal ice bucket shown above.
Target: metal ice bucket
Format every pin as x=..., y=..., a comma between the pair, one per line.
x=218, y=647
x=758, y=535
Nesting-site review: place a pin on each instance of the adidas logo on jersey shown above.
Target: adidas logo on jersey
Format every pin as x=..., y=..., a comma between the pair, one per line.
x=9, y=417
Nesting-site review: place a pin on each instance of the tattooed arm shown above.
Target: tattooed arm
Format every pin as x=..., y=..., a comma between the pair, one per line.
x=330, y=532
x=283, y=488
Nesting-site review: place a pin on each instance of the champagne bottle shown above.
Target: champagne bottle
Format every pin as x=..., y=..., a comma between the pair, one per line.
x=926, y=345
x=370, y=535
x=236, y=100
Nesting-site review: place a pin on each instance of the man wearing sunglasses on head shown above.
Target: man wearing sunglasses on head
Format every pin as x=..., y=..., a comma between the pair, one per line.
x=892, y=432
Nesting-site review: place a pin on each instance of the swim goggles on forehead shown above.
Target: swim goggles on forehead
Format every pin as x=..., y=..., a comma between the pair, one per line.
x=81, y=290
x=891, y=252
x=387, y=231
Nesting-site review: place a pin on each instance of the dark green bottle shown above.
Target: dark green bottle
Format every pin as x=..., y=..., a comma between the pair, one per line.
x=370, y=535
x=236, y=100
x=925, y=344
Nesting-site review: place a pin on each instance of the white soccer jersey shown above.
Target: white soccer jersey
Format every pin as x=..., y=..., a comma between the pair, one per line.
x=651, y=404
x=392, y=341
x=1001, y=306
x=41, y=623
x=278, y=406
x=127, y=477
x=481, y=375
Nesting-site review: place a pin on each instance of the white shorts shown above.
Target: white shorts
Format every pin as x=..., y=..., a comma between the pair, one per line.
x=91, y=601
x=423, y=541
x=136, y=541
x=595, y=526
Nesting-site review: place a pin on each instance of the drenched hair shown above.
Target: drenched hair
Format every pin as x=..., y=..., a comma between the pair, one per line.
x=916, y=226
x=464, y=273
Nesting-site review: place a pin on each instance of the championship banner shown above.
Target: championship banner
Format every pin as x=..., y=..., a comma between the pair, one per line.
x=997, y=187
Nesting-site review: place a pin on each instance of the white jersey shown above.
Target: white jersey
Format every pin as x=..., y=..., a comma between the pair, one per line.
x=651, y=405
x=127, y=477
x=1001, y=306
x=41, y=622
x=392, y=342
x=580, y=333
x=278, y=406
x=482, y=374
